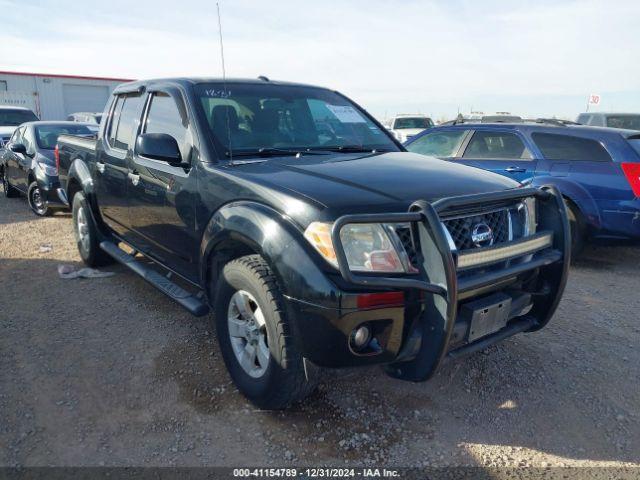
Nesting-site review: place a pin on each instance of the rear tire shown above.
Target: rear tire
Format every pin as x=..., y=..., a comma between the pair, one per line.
x=9, y=191
x=36, y=201
x=86, y=234
x=578, y=229
x=249, y=314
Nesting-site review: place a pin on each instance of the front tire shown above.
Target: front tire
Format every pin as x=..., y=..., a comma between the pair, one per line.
x=36, y=201
x=9, y=191
x=256, y=337
x=86, y=234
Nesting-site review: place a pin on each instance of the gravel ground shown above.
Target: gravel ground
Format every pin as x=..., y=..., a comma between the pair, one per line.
x=110, y=372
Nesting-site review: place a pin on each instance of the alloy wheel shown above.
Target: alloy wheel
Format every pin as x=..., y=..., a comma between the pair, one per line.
x=82, y=229
x=248, y=334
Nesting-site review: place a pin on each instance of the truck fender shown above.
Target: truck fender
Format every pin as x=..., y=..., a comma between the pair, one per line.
x=577, y=194
x=250, y=227
x=80, y=176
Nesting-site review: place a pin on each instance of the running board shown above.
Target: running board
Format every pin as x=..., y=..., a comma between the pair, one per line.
x=193, y=304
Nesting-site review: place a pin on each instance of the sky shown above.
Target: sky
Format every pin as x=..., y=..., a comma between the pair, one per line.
x=533, y=58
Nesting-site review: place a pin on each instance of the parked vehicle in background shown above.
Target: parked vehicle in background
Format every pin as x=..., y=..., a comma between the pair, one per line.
x=313, y=235
x=596, y=169
x=92, y=119
x=405, y=126
x=628, y=121
x=10, y=118
x=28, y=164
x=86, y=117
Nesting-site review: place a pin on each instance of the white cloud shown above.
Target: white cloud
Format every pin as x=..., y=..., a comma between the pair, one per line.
x=389, y=56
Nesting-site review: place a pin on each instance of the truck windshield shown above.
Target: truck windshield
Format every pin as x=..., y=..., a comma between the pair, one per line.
x=10, y=117
x=630, y=122
x=412, y=122
x=47, y=135
x=246, y=118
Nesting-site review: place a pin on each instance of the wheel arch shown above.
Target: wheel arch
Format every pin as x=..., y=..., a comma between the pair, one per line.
x=577, y=195
x=244, y=228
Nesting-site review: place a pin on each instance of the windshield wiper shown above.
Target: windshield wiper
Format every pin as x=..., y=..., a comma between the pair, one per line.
x=272, y=152
x=349, y=149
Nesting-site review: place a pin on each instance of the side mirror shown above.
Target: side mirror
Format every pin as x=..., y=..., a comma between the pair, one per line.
x=18, y=148
x=158, y=146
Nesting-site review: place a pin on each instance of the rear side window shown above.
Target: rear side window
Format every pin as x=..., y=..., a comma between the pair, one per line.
x=496, y=146
x=438, y=144
x=630, y=122
x=566, y=147
x=164, y=117
x=124, y=121
x=128, y=122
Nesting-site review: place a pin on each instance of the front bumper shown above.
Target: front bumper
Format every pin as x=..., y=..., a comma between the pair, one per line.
x=53, y=193
x=430, y=324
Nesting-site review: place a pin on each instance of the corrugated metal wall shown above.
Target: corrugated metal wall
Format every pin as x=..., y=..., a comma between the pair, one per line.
x=49, y=92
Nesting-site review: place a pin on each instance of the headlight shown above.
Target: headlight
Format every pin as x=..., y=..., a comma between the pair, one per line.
x=368, y=246
x=48, y=169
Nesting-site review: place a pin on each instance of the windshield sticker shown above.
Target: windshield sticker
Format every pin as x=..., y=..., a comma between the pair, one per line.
x=217, y=93
x=346, y=114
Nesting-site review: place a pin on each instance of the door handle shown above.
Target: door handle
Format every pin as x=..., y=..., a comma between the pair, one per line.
x=100, y=166
x=134, y=177
x=515, y=169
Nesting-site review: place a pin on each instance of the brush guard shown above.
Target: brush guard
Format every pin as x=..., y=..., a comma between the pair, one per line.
x=427, y=343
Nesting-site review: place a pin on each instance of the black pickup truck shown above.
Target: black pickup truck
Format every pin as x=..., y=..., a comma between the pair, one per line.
x=311, y=234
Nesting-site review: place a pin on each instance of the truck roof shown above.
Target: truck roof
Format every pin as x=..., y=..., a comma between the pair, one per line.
x=185, y=81
x=14, y=107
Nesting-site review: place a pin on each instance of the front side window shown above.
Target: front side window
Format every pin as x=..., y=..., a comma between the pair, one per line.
x=47, y=135
x=247, y=118
x=164, y=117
x=496, y=146
x=412, y=122
x=128, y=122
x=439, y=143
x=567, y=147
x=629, y=122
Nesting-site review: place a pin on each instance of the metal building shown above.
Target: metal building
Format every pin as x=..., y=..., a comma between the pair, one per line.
x=54, y=96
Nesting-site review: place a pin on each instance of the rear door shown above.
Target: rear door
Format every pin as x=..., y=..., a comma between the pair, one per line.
x=500, y=151
x=112, y=161
x=585, y=161
x=162, y=207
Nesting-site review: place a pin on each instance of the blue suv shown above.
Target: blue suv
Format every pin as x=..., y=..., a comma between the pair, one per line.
x=596, y=169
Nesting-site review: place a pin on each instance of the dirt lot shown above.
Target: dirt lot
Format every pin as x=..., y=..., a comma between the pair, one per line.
x=110, y=372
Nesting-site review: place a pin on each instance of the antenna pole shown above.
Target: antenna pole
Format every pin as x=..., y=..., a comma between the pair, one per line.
x=224, y=82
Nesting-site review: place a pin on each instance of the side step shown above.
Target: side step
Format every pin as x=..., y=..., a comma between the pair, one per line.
x=192, y=303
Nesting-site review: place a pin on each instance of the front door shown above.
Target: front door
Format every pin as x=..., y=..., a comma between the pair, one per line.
x=112, y=161
x=13, y=160
x=162, y=208
x=502, y=152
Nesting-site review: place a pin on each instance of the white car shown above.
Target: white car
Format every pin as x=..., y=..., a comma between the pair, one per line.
x=10, y=118
x=403, y=127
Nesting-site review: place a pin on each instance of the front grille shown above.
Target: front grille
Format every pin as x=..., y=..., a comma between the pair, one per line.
x=505, y=224
x=404, y=234
x=461, y=229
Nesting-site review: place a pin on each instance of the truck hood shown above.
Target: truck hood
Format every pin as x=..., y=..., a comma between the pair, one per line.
x=5, y=131
x=348, y=183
